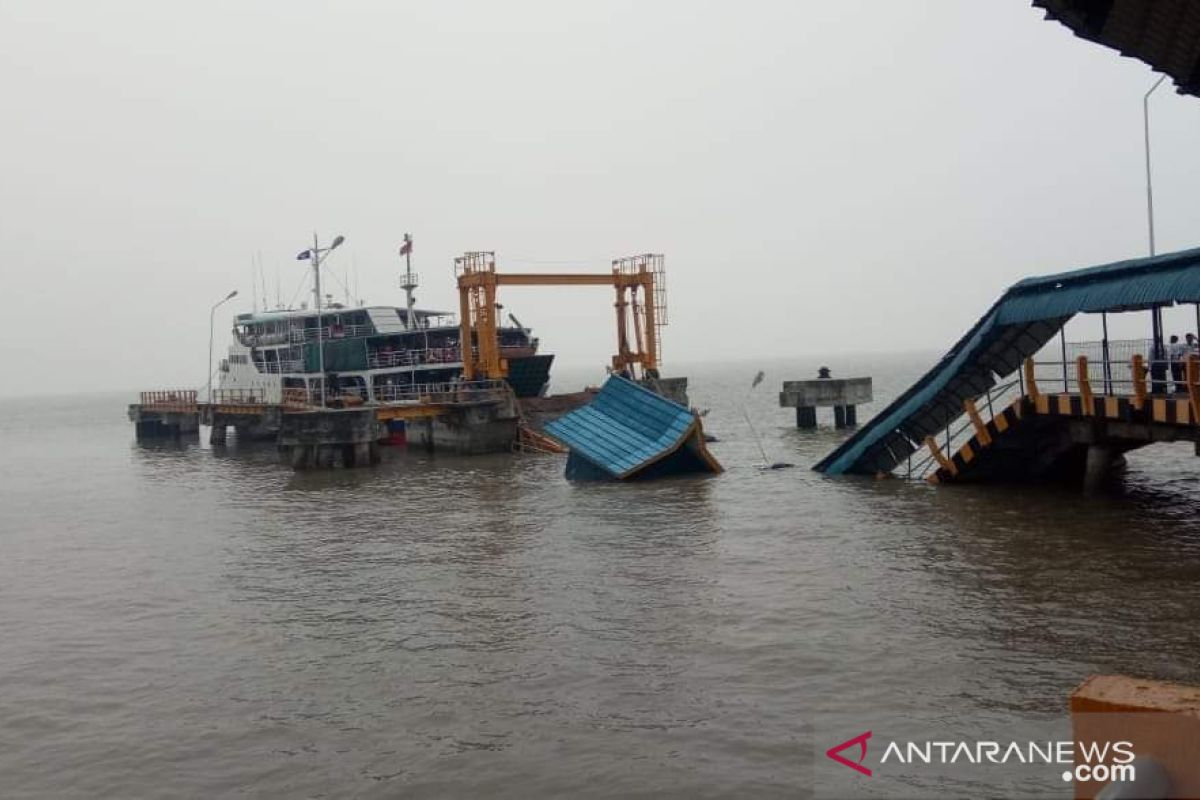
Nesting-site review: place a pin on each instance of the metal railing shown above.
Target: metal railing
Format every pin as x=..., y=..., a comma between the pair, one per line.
x=442, y=393
x=1162, y=376
x=254, y=396
x=1136, y=377
x=408, y=358
x=279, y=367
x=331, y=332
x=445, y=393
x=960, y=430
x=183, y=400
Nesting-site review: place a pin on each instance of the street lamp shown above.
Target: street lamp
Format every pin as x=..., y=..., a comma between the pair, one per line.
x=316, y=256
x=1156, y=311
x=212, y=315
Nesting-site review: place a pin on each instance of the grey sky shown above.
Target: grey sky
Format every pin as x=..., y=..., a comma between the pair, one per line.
x=823, y=177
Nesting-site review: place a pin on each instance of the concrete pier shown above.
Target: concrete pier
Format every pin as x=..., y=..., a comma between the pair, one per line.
x=459, y=417
x=1097, y=467
x=168, y=414
x=324, y=438
x=842, y=394
x=489, y=427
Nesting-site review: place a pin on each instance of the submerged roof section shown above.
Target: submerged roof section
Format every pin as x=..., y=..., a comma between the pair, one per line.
x=628, y=428
x=1025, y=317
x=1163, y=33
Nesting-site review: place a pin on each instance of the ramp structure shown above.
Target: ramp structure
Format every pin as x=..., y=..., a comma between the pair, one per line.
x=1015, y=328
x=627, y=432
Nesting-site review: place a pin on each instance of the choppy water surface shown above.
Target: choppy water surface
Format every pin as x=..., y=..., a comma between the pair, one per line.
x=179, y=622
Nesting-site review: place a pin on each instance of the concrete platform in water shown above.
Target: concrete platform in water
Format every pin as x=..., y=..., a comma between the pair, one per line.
x=463, y=418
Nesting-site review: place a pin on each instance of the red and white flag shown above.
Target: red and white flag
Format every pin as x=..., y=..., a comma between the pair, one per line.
x=406, y=248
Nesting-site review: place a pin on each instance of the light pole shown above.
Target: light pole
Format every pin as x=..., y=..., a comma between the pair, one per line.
x=1146, y=131
x=316, y=256
x=212, y=315
x=1156, y=312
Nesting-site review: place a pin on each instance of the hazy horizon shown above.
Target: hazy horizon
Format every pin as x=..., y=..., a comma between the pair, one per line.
x=824, y=179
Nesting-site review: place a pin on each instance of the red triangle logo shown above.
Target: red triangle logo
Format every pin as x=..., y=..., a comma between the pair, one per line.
x=835, y=753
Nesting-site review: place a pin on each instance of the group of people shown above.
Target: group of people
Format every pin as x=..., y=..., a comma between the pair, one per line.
x=1177, y=356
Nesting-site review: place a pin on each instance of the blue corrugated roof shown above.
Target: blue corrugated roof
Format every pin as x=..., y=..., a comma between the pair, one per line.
x=624, y=428
x=1016, y=326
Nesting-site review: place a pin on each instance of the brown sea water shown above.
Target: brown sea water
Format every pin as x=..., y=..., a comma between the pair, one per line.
x=184, y=622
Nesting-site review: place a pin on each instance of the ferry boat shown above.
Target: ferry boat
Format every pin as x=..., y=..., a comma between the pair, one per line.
x=375, y=353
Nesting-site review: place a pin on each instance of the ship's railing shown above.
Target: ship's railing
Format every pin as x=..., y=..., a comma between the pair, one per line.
x=256, y=396
x=407, y=358
x=278, y=367
x=263, y=339
x=442, y=393
x=183, y=400
x=296, y=397
x=331, y=332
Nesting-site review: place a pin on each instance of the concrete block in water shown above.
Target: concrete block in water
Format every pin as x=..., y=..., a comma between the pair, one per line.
x=825, y=392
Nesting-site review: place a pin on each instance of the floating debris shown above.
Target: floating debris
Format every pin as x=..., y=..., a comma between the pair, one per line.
x=630, y=432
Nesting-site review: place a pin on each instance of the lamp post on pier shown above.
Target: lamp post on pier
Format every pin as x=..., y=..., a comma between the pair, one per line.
x=316, y=256
x=212, y=315
x=1156, y=320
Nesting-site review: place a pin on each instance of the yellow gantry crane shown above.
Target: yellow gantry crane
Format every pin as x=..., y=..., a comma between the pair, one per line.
x=640, y=284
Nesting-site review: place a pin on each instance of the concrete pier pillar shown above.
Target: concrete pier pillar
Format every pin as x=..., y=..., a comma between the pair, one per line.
x=217, y=434
x=299, y=456
x=361, y=456
x=1099, y=464
x=806, y=417
x=839, y=416
x=851, y=415
x=323, y=456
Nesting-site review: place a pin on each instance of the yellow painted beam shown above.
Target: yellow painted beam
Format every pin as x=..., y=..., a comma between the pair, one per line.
x=1085, y=387
x=939, y=456
x=1139, y=382
x=981, y=431
x=560, y=279
x=1193, y=383
x=408, y=412
x=1031, y=387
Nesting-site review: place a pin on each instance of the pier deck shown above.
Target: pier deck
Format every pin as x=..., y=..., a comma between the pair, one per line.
x=466, y=417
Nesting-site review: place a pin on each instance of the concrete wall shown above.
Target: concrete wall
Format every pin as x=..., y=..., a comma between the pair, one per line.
x=826, y=392
x=470, y=430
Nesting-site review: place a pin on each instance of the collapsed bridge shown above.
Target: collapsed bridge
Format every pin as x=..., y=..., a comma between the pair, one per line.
x=982, y=372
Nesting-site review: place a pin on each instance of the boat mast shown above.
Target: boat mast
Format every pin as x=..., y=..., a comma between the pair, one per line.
x=410, y=282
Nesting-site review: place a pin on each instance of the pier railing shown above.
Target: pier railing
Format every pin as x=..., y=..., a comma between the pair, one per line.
x=446, y=393
x=1138, y=378
x=255, y=396
x=182, y=400
x=443, y=393
x=922, y=462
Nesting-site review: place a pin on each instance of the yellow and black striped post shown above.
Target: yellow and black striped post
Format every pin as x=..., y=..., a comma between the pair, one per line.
x=1139, y=382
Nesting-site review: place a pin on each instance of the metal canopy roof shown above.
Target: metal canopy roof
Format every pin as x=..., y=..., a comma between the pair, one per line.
x=1025, y=317
x=1163, y=33
x=627, y=428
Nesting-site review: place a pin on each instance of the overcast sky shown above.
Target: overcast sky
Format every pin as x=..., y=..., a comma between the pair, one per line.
x=822, y=177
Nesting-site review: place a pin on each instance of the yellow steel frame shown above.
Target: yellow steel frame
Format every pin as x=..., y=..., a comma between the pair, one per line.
x=477, y=285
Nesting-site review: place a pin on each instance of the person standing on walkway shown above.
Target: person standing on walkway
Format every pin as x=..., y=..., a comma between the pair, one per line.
x=1177, y=353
